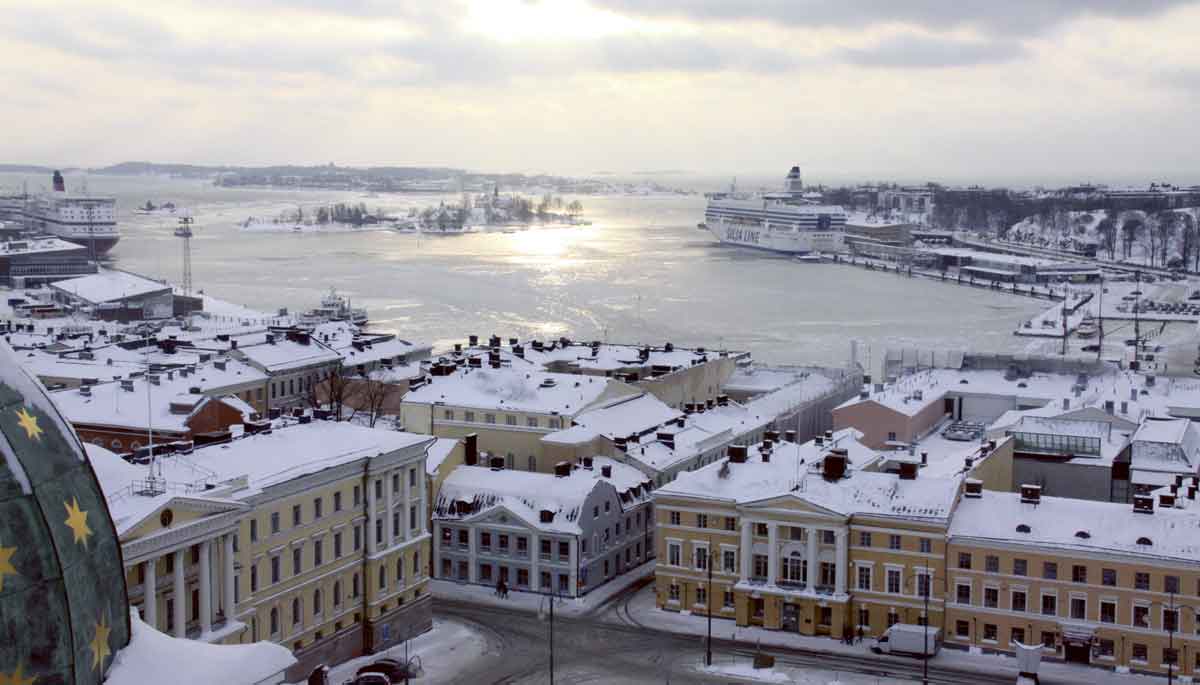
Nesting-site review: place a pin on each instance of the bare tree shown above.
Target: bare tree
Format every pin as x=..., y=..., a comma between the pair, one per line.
x=371, y=397
x=336, y=392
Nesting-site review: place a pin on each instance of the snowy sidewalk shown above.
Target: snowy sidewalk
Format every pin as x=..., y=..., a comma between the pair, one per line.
x=533, y=601
x=642, y=611
x=445, y=651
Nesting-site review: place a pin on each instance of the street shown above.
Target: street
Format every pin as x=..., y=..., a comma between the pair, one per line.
x=609, y=646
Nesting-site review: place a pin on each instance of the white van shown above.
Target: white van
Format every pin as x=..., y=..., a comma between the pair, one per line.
x=906, y=638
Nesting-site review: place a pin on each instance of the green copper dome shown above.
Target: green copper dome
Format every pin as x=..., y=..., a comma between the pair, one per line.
x=63, y=606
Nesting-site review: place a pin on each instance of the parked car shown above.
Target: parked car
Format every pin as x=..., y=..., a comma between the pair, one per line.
x=393, y=669
x=371, y=679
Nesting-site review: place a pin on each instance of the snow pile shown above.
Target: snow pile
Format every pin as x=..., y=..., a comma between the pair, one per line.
x=152, y=657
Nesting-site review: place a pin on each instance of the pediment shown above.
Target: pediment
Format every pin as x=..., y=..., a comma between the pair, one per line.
x=791, y=502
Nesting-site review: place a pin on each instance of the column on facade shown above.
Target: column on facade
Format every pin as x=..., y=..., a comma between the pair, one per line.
x=573, y=556
x=535, y=560
x=150, y=592
x=436, y=545
x=205, y=587
x=842, y=560
x=228, y=577
x=814, y=569
x=422, y=506
x=746, y=551
x=180, y=617
x=473, y=554
x=371, y=516
x=407, y=500
x=389, y=533
x=772, y=553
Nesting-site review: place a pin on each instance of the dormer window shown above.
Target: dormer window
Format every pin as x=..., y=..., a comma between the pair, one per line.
x=1023, y=528
x=1145, y=542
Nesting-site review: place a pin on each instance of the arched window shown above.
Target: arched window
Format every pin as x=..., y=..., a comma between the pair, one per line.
x=400, y=570
x=116, y=445
x=1144, y=541
x=532, y=463
x=135, y=445
x=274, y=621
x=382, y=577
x=417, y=564
x=297, y=613
x=337, y=593
x=1023, y=528
x=317, y=605
x=1083, y=534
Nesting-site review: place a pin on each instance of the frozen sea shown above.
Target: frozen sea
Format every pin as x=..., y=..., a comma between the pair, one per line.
x=641, y=272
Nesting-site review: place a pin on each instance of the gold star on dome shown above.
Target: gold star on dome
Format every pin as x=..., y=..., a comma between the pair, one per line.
x=29, y=422
x=77, y=521
x=6, y=567
x=17, y=677
x=99, y=645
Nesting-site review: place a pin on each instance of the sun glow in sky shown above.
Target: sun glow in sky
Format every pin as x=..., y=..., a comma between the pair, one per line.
x=920, y=90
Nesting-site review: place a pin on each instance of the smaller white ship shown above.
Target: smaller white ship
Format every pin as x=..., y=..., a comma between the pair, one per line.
x=334, y=307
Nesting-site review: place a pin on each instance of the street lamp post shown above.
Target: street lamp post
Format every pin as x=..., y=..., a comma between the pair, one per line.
x=925, y=591
x=708, y=600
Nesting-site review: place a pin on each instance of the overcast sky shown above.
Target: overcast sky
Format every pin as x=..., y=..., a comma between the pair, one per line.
x=943, y=89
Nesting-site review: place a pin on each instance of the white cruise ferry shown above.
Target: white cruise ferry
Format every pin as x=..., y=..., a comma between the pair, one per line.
x=86, y=220
x=781, y=222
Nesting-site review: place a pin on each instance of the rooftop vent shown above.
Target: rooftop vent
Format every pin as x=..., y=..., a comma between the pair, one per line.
x=547, y=516
x=1166, y=501
x=1143, y=504
x=908, y=470
x=497, y=463
x=472, y=340
x=973, y=488
x=1031, y=494
x=85, y=390
x=789, y=436
x=834, y=465
x=737, y=454
x=471, y=449
x=606, y=471
x=127, y=385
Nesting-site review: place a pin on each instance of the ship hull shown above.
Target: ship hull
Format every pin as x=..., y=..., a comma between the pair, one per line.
x=783, y=242
x=102, y=243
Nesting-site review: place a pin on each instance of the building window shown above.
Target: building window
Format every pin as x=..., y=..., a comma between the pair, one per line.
x=964, y=560
x=893, y=542
x=318, y=605
x=991, y=597
x=274, y=620
x=318, y=508
x=275, y=569
x=730, y=522
x=448, y=414
x=254, y=578
x=318, y=552
x=1079, y=573
x=926, y=546
x=962, y=593
x=701, y=595
x=1171, y=584
x=531, y=421
x=469, y=416
x=827, y=537
x=760, y=563
x=510, y=420
x=357, y=495
x=253, y=530
x=1049, y=605
x=1170, y=656
x=728, y=559
x=489, y=418
x=674, y=515
x=297, y=565
x=274, y=522
x=728, y=600
x=864, y=539
x=1078, y=608
x=1108, y=577
x=924, y=584
x=1049, y=570
x=1108, y=612
x=673, y=592
x=990, y=632
x=1141, y=616
x=962, y=629
x=1020, y=567
x=1107, y=649
x=564, y=550
x=864, y=577
x=1170, y=620
x=1048, y=639
x=1018, y=600
x=701, y=519
x=674, y=554
x=991, y=563
x=1141, y=581
x=296, y=517
x=1017, y=635
x=1140, y=653
x=893, y=581
x=297, y=612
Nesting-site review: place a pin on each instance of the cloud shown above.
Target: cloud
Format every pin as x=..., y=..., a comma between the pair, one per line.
x=993, y=16
x=915, y=51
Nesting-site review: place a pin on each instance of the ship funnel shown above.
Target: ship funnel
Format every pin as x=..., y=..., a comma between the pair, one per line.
x=794, y=184
x=60, y=186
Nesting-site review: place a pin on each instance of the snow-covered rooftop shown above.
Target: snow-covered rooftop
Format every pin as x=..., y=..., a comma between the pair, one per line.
x=1085, y=526
x=575, y=356
x=528, y=493
x=109, y=286
x=794, y=470
x=514, y=390
x=627, y=415
x=284, y=355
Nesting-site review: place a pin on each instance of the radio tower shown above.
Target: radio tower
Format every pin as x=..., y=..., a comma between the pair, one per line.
x=184, y=230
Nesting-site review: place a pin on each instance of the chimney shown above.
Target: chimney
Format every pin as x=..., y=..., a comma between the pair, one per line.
x=722, y=400
x=85, y=390
x=1124, y=407
x=908, y=470
x=1031, y=494
x=587, y=463
x=562, y=469
x=1191, y=492
x=924, y=458
x=547, y=516
x=606, y=471
x=789, y=436
x=1166, y=501
x=1143, y=504
x=60, y=186
x=219, y=364
x=472, y=340
x=1066, y=403
x=833, y=467
x=737, y=454
x=829, y=436
x=497, y=463
x=270, y=338
x=471, y=449
x=973, y=488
